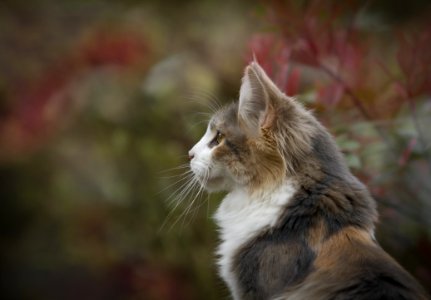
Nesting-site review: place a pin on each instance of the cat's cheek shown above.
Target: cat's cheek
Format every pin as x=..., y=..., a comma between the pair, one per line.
x=223, y=157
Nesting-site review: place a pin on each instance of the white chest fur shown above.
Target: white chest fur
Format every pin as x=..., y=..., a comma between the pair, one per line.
x=240, y=218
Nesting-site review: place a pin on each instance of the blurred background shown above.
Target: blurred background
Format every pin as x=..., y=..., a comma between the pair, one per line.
x=100, y=101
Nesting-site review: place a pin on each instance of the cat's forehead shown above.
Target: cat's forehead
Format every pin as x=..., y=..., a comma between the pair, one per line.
x=226, y=117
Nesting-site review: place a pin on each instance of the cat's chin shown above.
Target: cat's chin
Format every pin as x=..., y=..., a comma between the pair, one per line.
x=215, y=184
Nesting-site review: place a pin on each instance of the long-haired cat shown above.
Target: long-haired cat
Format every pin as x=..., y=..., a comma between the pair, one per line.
x=295, y=224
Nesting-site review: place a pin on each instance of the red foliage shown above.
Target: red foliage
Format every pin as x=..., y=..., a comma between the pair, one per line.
x=263, y=49
x=407, y=152
x=43, y=102
x=330, y=94
x=292, y=82
x=274, y=59
x=414, y=58
x=325, y=37
x=121, y=49
x=312, y=36
x=320, y=46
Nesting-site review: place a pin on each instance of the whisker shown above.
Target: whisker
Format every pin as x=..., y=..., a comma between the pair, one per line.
x=198, y=195
x=186, y=176
x=195, y=124
x=174, y=176
x=190, y=188
x=195, y=182
x=190, y=206
x=211, y=100
x=184, y=191
x=183, y=166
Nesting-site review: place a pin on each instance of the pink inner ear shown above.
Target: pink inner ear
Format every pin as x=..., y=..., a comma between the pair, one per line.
x=269, y=118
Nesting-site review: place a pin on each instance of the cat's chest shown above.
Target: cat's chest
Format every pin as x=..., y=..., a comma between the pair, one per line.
x=241, y=217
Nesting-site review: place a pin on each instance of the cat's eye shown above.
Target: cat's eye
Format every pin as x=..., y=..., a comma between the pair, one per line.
x=217, y=139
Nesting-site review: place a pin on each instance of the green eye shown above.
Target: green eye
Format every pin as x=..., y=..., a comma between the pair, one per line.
x=217, y=139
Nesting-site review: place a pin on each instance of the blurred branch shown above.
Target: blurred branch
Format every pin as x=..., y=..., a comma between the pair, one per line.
x=421, y=136
x=356, y=102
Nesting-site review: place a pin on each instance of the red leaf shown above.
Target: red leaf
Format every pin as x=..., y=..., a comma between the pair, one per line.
x=301, y=53
x=407, y=152
x=414, y=59
x=330, y=94
x=292, y=85
x=113, y=48
x=262, y=49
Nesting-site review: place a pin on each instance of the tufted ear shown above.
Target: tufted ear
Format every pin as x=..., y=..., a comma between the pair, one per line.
x=257, y=100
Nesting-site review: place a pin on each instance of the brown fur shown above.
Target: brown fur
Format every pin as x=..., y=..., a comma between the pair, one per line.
x=341, y=262
x=256, y=160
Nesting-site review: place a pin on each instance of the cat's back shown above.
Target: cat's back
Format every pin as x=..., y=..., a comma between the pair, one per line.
x=350, y=265
x=321, y=246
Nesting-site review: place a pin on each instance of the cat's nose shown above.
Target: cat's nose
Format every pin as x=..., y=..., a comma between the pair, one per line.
x=191, y=155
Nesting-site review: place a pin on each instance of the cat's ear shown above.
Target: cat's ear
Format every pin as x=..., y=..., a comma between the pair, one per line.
x=256, y=104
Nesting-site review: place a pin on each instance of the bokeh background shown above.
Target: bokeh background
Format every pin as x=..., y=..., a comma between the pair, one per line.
x=100, y=101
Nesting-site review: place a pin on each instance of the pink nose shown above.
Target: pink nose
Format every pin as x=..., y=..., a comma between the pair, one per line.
x=191, y=155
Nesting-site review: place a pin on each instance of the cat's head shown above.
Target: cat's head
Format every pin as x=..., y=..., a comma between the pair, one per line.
x=256, y=142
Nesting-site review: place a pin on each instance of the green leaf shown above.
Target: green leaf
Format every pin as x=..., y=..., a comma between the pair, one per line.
x=353, y=161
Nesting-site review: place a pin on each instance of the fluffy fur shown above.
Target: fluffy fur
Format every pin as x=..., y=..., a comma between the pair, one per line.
x=241, y=218
x=295, y=224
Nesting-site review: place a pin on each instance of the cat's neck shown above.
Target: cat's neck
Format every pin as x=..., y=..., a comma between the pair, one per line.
x=241, y=198
x=243, y=215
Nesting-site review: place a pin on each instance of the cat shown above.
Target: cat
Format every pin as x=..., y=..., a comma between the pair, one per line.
x=295, y=223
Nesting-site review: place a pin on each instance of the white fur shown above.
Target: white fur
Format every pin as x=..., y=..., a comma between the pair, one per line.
x=211, y=175
x=241, y=217
x=202, y=153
